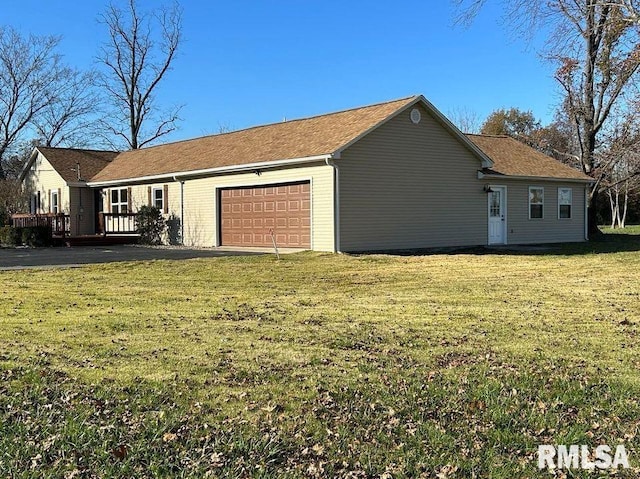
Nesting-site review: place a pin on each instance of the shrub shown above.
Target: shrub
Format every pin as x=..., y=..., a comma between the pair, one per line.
x=10, y=236
x=174, y=233
x=151, y=225
x=5, y=217
x=36, y=236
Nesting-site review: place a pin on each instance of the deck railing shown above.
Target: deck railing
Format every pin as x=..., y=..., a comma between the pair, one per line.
x=59, y=223
x=118, y=223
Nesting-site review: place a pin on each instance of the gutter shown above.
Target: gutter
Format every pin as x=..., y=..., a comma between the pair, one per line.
x=210, y=171
x=482, y=175
x=336, y=204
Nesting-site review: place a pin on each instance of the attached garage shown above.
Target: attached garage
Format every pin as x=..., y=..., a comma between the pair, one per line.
x=249, y=215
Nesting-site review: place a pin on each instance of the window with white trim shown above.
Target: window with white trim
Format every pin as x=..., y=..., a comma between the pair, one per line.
x=158, y=198
x=55, y=202
x=119, y=201
x=564, y=203
x=536, y=202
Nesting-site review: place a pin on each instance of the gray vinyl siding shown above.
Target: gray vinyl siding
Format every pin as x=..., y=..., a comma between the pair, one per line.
x=410, y=186
x=549, y=229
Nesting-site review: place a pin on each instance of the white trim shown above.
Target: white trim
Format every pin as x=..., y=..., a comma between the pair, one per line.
x=570, y=203
x=529, y=201
x=29, y=163
x=336, y=206
x=153, y=197
x=506, y=219
x=482, y=175
x=55, y=205
x=443, y=120
x=119, y=203
x=213, y=171
x=586, y=213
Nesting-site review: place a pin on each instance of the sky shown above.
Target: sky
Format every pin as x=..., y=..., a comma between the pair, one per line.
x=246, y=63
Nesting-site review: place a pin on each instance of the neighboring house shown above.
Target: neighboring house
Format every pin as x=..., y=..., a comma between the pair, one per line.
x=56, y=179
x=394, y=175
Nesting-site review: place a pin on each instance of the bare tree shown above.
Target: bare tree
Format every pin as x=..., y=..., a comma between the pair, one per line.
x=467, y=121
x=135, y=63
x=28, y=67
x=69, y=117
x=596, y=45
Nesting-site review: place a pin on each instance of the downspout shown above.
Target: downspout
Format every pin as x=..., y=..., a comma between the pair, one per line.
x=586, y=213
x=181, y=209
x=336, y=204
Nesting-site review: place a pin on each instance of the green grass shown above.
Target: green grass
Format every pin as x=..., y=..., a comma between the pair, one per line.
x=321, y=365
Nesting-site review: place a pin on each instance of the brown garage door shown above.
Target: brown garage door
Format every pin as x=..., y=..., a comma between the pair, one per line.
x=248, y=215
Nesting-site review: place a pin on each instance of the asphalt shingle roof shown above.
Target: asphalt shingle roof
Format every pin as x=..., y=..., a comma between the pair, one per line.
x=308, y=137
x=513, y=158
x=65, y=161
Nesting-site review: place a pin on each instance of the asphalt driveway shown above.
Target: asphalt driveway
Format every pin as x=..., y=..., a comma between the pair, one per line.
x=23, y=258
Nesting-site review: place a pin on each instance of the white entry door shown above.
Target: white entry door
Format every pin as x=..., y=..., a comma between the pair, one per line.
x=498, y=215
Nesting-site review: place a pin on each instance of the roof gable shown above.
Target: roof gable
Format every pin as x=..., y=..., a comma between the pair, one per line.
x=66, y=160
x=308, y=138
x=513, y=158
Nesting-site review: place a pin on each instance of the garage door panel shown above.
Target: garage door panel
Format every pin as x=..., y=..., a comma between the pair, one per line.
x=248, y=215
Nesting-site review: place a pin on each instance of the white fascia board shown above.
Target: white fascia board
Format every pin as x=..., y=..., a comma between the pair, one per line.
x=482, y=176
x=27, y=166
x=212, y=171
x=485, y=160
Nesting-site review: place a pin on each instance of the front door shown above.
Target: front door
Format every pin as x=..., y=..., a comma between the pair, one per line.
x=498, y=215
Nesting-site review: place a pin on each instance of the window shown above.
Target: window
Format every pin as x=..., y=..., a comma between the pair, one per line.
x=564, y=203
x=55, y=202
x=536, y=202
x=34, y=204
x=158, y=198
x=119, y=201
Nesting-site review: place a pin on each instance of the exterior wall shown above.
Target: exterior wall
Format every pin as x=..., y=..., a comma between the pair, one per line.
x=410, y=186
x=43, y=178
x=200, y=222
x=82, y=211
x=549, y=229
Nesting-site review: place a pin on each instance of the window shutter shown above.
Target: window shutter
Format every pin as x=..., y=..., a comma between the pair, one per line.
x=108, y=201
x=129, y=199
x=59, y=200
x=149, y=201
x=49, y=201
x=165, y=197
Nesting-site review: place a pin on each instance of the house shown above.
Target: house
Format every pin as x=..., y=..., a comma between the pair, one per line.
x=394, y=175
x=56, y=179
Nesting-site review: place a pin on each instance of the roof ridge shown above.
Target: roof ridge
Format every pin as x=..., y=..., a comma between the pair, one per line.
x=490, y=136
x=77, y=149
x=254, y=127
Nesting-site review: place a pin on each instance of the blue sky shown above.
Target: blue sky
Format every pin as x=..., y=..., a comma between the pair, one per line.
x=245, y=63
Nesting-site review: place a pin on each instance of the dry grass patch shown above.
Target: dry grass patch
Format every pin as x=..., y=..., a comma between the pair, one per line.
x=320, y=365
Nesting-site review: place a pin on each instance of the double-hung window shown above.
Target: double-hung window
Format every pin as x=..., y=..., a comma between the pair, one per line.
x=55, y=202
x=536, y=202
x=564, y=203
x=119, y=200
x=158, y=198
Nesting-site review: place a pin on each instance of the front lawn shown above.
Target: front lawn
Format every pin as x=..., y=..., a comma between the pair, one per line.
x=321, y=365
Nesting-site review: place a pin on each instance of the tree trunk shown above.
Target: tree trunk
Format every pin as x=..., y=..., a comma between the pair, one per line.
x=612, y=207
x=592, y=216
x=623, y=220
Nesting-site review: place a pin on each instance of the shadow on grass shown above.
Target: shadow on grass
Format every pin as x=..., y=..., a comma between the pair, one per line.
x=606, y=243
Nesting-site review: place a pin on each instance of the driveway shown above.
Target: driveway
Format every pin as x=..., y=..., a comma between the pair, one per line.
x=23, y=258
